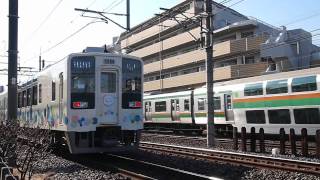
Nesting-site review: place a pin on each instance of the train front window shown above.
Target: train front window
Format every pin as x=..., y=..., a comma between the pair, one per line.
x=83, y=82
x=108, y=82
x=131, y=84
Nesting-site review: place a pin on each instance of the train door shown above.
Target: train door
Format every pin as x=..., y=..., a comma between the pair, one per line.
x=147, y=111
x=228, y=107
x=60, y=97
x=108, y=97
x=175, y=110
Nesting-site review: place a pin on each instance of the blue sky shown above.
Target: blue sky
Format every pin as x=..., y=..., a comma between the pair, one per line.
x=282, y=12
x=40, y=32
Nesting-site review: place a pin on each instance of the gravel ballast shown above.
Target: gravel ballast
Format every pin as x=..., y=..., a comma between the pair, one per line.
x=224, y=171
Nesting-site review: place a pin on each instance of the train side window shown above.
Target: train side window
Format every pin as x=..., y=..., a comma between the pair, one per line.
x=186, y=105
x=161, y=106
x=201, y=104
x=217, y=103
x=175, y=105
x=53, y=97
x=40, y=93
x=35, y=95
x=29, y=97
x=304, y=84
x=277, y=87
x=255, y=117
x=147, y=106
x=24, y=98
x=279, y=116
x=307, y=116
x=253, y=89
x=19, y=100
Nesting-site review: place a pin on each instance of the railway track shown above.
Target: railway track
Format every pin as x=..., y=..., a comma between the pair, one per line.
x=248, y=160
x=228, y=141
x=135, y=169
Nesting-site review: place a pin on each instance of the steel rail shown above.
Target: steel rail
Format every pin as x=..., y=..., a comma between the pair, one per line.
x=238, y=158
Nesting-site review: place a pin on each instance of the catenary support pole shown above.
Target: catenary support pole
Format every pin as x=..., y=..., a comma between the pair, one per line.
x=128, y=15
x=209, y=67
x=12, y=60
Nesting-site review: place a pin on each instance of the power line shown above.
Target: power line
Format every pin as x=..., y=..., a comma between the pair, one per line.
x=76, y=17
x=74, y=33
x=44, y=21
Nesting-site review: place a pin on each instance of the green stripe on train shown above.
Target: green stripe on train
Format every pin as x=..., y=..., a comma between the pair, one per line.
x=278, y=103
x=186, y=115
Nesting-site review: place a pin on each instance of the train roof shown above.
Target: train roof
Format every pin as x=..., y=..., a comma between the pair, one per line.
x=280, y=75
x=167, y=95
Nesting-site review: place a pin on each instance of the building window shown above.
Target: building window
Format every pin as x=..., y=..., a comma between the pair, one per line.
x=307, y=116
x=248, y=60
x=173, y=74
x=255, y=117
x=279, y=116
x=246, y=34
x=277, y=87
x=304, y=84
x=201, y=104
x=253, y=89
x=165, y=76
x=295, y=48
x=160, y=106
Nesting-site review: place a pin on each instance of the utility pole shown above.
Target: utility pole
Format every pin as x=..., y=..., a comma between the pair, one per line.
x=12, y=60
x=209, y=67
x=128, y=15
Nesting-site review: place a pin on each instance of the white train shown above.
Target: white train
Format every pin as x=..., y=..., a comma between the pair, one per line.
x=91, y=101
x=282, y=100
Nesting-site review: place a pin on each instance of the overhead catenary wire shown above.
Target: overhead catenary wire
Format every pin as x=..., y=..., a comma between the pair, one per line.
x=44, y=21
x=113, y=5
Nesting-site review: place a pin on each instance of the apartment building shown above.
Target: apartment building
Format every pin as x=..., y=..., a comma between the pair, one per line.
x=170, y=46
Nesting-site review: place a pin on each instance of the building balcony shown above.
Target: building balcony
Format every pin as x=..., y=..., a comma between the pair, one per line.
x=238, y=46
x=167, y=44
x=220, y=74
x=175, y=61
x=220, y=49
x=154, y=30
x=226, y=48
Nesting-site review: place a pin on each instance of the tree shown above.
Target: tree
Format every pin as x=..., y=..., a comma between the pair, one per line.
x=35, y=145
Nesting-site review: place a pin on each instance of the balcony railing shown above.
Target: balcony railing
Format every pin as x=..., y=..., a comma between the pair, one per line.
x=220, y=74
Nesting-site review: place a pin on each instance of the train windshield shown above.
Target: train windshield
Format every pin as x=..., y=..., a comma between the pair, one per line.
x=83, y=82
x=131, y=84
